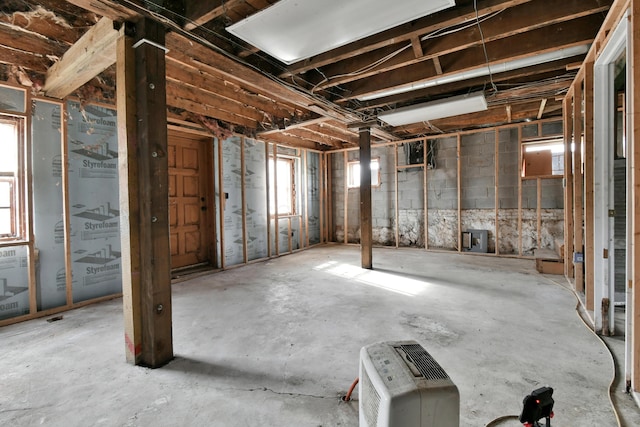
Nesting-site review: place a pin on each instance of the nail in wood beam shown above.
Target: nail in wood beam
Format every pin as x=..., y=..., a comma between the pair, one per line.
x=144, y=195
x=366, y=226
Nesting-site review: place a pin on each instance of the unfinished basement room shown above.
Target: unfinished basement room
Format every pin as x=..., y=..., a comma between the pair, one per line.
x=274, y=213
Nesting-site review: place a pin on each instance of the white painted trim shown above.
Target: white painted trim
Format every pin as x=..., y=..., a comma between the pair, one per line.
x=604, y=108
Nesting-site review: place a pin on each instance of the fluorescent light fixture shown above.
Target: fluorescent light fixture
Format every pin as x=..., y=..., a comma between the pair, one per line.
x=483, y=71
x=293, y=30
x=447, y=107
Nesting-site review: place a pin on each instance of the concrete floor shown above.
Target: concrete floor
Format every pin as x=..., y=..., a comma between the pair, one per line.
x=277, y=343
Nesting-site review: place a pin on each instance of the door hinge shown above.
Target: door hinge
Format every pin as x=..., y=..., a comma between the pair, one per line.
x=605, y=253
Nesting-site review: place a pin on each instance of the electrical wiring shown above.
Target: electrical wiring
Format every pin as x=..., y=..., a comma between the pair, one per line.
x=388, y=57
x=484, y=45
x=320, y=101
x=603, y=342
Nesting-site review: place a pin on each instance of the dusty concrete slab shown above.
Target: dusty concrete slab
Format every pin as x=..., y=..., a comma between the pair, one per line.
x=276, y=343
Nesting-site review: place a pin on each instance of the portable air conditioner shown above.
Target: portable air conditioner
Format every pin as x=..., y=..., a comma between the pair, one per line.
x=401, y=385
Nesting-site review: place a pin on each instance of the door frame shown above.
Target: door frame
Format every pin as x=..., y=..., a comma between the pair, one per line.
x=206, y=141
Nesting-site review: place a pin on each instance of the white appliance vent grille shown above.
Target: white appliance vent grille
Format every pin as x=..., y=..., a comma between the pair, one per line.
x=426, y=365
x=370, y=398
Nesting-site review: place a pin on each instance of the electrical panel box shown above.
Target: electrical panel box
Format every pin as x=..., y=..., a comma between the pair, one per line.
x=475, y=241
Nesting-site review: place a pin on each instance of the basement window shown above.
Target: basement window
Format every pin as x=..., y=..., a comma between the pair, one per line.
x=543, y=158
x=282, y=185
x=11, y=173
x=353, y=173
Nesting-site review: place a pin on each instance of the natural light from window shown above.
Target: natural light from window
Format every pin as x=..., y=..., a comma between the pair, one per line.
x=285, y=186
x=8, y=171
x=387, y=281
x=354, y=173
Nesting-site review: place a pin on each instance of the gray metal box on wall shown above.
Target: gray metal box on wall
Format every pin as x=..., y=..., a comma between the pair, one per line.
x=475, y=241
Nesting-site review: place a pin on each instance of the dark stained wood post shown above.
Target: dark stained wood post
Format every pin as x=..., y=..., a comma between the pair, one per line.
x=144, y=195
x=366, y=226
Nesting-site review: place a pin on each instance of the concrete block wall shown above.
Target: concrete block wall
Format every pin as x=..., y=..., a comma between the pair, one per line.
x=337, y=172
x=383, y=198
x=552, y=229
x=442, y=181
x=508, y=158
x=477, y=195
x=477, y=170
x=443, y=229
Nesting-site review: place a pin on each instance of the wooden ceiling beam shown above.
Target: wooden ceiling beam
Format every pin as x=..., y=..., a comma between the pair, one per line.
x=209, y=111
x=43, y=22
x=108, y=9
x=200, y=12
x=184, y=74
x=405, y=32
x=93, y=53
x=216, y=63
x=529, y=44
x=492, y=117
x=15, y=37
x=417, y=47
x=336, y=133
x=308, y=135
x=543, y=104
x=212, y=100
x=283, y=139
x=26, y=60
x=519, y=76
x=511, y=22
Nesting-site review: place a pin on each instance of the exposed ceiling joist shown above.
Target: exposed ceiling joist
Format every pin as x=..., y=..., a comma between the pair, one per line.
x=548, y=39
x=517, y=20
x=88, y=57
x=402, y=33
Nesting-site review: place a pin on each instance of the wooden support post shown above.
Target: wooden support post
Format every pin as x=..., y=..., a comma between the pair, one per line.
x=425, y=188
x=305, y=173
x=568, y=181
x=276, y=219
x=459, y=190
x=496, y=188
x=396, y=191
x=222, y=201
x=144, y=195
x=538, y=213
x=345, y=216
x=578, y=185
x=633, y=61
x=243, y=195
x=66, y=211
x=326, y=217
x=268, y=201
x=520, y=190
x=589, y=220
x=366, y=226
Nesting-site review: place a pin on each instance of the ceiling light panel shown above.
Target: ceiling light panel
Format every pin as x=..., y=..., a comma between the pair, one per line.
x=448, y=107
x=293, y=30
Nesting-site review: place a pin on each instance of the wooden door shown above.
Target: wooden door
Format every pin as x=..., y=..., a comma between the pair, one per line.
x=189, y=199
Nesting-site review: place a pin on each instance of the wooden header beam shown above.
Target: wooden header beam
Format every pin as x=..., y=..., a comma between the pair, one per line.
x=88, y=57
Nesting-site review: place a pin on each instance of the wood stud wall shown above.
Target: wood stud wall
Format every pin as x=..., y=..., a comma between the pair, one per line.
x=272, y=240
x=395, y=144
x=580, y=120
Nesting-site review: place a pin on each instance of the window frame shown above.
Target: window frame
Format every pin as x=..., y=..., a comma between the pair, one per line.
x=17, y=180
x=274, y=187
x=351, y=175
